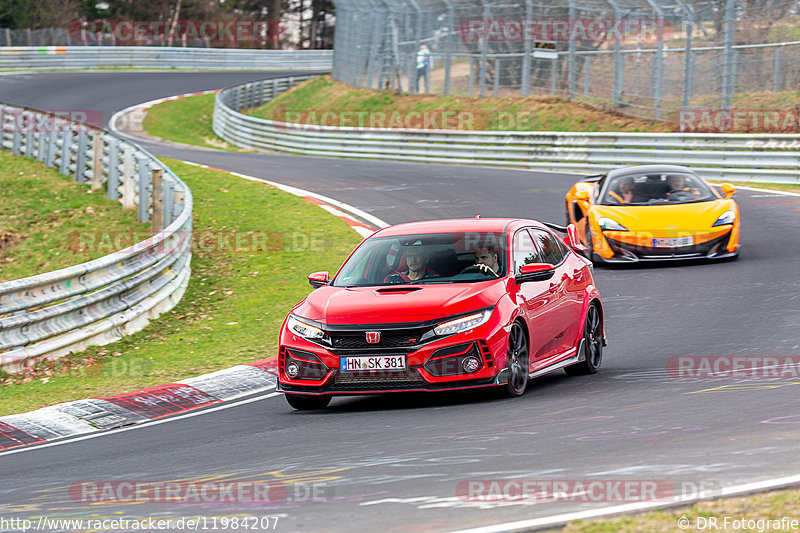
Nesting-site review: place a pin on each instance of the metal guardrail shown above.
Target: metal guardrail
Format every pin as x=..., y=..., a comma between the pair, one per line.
x=771, y=158
x=160, y=57
x=50, y=315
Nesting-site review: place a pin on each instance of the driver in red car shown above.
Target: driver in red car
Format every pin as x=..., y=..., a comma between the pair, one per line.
x=417, y=261
x=677, y=184
x=486, y=260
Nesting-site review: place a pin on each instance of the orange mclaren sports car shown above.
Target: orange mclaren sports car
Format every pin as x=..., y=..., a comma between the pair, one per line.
x=653, y=213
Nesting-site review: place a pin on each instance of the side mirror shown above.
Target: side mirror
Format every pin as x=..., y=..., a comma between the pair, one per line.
x=582, y=196
x=535, y=272
x=319, y=279
x=728, y=190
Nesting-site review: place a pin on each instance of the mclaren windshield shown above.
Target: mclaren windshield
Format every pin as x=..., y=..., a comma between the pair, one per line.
x=425, y=259
x=656, y=189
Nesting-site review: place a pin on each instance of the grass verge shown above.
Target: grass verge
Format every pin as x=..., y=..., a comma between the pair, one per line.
x=44, y=214
x=186, y=120
x=318, y=96
x=237, y=297
x=765, y=506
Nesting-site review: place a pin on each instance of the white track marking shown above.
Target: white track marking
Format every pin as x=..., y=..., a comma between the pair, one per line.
x=190, y=414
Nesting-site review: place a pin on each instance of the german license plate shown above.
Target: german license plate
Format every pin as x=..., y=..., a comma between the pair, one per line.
x=372, y=363
x=673, y=243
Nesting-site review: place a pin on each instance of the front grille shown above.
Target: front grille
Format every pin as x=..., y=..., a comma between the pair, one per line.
x=377, y=380
x=359, y=340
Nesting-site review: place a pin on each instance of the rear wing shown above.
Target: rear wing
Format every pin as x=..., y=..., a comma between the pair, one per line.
x=593, y=178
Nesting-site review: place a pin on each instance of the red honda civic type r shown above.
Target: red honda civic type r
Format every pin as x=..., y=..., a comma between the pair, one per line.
x=444, y=305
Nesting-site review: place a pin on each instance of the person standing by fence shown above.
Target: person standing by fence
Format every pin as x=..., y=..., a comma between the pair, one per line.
x=423, y=67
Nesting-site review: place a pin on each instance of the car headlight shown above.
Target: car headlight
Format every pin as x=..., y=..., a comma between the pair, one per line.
x=451, y=327
x=609, y=224
x=307, y=331
x=725, y=218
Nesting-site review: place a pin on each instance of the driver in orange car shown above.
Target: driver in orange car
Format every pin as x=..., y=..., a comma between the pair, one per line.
x=677, y=184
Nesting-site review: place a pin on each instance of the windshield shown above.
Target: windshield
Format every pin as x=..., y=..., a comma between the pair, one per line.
x=425, y=259
x=653, y=189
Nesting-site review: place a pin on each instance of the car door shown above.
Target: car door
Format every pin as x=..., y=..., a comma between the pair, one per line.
x=565, y=310
x=537, y=299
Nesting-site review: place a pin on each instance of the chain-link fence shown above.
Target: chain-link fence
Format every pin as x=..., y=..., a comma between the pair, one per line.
x=649, y=58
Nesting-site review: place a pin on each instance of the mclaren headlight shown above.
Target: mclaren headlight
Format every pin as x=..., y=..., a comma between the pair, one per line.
x=728, y=217
x=609, y=224
x=302, y=329
x=464, y=323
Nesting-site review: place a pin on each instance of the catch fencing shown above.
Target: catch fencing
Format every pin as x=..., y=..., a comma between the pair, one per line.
x=762, y=158
x=644, y=58
x=52, y=314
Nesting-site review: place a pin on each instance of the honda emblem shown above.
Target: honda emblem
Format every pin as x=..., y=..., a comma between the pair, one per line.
x=373, y=337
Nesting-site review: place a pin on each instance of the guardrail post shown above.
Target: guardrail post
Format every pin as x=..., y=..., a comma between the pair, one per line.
x=80, y=158
x=42, y=141
x=50, y=156
x=776, y=73
x=16, y=141
x=66, y=152
x=169, y=206
x=97, y=160
x=156, y=177
x=291, y=83
x=128, y=194
x=274, y=87
x=144, y=189
x=554, y=75
x=113, y=169
x=28, y=144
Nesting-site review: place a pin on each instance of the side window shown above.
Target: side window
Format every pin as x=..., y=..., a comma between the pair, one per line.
x=525, y=251
x=552, y=251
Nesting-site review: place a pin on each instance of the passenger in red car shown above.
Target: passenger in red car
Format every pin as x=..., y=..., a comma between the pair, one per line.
x=417, y=261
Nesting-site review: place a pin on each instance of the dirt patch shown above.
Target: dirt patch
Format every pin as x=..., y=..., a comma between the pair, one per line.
x=9, y=239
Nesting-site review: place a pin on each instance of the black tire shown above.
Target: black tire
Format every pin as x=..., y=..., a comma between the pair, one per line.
x=592, y=345
x=517, y=362
x=303, y=402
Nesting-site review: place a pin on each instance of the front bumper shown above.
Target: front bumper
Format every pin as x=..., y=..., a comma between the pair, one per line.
x=628, y=253
x=433, y=366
